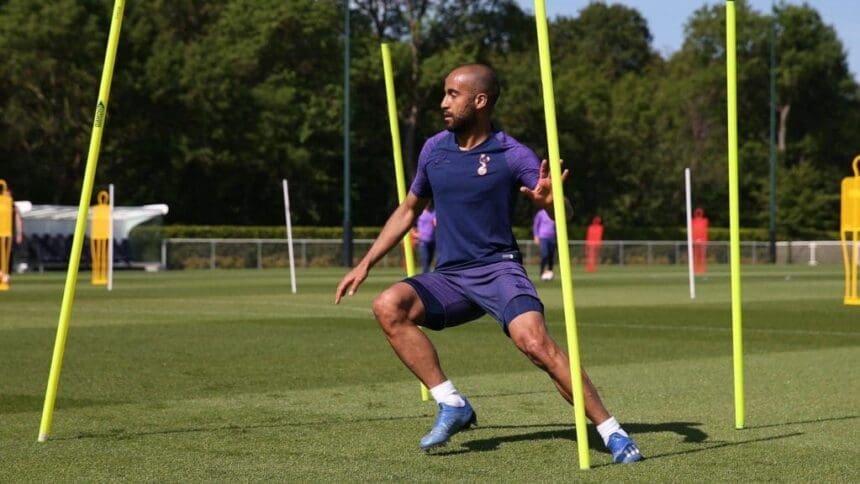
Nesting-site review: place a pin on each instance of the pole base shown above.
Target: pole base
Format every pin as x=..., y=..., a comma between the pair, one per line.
x=43, y=437
x=852, y=301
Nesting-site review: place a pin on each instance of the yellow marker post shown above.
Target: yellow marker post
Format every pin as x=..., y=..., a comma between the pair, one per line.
x=398, y=165
x=734, y=216
x=561, y=234
x=99, y=240
x=81, y=223
x=6, y=216
x=850, y=223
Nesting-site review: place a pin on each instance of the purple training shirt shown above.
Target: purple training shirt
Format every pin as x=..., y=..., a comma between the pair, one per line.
x=543, y=227
x=474, y=193
x=427, y=226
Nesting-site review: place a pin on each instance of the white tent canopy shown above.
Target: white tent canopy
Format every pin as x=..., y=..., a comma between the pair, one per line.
x=60, y=219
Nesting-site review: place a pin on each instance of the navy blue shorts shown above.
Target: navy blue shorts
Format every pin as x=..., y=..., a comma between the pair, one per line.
x=501, y=289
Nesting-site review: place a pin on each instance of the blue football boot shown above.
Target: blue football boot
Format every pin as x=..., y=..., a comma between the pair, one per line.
x=450, y=421
x=624, y=450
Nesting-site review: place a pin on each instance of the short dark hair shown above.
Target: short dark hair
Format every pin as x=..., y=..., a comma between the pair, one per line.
x=490, y=84
x=486, y=81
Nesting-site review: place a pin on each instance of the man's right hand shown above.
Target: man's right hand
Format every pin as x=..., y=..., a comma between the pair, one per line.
x=350, y=282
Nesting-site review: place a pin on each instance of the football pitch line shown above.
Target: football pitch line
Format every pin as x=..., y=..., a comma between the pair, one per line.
x=674, y=328
x=720, y=330
x=248, y=311
x=322, y=310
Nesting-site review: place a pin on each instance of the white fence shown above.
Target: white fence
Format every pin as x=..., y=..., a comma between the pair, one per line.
x=184, y=253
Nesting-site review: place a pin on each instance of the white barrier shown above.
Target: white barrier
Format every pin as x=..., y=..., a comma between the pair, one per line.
x=187, y=253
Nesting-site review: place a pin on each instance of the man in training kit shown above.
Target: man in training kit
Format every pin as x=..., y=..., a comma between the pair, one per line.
x=472, y=173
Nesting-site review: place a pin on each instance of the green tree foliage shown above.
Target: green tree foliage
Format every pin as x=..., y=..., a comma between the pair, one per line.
x=614, y=39
x=214, y=102
x=46, y=93
x=817, y=96
x=602, y=101
x=695, y=107
x=813, y=80
x=238, y=108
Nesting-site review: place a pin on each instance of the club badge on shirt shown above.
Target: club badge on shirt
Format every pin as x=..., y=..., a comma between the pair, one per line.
x=484, y=160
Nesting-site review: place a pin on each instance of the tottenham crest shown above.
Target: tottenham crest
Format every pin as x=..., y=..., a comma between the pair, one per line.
x=484, y=160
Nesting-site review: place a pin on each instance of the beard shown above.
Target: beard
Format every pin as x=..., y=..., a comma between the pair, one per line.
x=459, y=123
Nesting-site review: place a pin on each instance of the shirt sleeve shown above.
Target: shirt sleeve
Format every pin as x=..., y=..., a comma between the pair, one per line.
x=525, y=166
x=421, y=184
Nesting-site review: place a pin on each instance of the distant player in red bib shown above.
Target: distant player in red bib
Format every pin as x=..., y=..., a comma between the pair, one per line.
x=473, y=174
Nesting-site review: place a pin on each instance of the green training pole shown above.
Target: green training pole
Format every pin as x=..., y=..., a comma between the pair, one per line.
x=561, y=234
x=81, y=224
x=398, y=165
x=734, y=225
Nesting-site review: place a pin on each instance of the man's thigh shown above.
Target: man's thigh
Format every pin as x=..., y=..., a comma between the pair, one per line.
x=445, y=304
x=502, y=290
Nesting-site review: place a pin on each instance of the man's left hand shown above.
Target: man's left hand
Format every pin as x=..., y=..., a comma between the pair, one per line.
x=541, y=194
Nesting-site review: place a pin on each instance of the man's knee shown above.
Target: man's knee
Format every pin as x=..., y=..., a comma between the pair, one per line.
x=387, y=306
x=533, y=346
x=395, y=306
x=529, y=334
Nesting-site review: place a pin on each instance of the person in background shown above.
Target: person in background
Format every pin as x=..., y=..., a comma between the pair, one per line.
x=426, y=237
x=18, y=247
x=543, y=229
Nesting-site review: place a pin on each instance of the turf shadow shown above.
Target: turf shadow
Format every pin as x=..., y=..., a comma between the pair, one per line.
x=122, y=434
x=687, y=430
x=565, y=431
x=510, y=394
x=31, y=403
x=721, y=444
x=803, y=422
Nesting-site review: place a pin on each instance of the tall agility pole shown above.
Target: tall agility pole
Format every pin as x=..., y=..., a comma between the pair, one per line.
x=690, y=263
x=398, y=165
x=81, y=224
x=110, y=238
x=561, y=234
x=288, y=219
x=734, y=224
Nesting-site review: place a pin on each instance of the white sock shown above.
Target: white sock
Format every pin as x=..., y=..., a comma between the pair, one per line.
x=447, y=394
x=609, y=427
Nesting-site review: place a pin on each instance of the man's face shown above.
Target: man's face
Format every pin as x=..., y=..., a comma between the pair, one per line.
x=458, y=104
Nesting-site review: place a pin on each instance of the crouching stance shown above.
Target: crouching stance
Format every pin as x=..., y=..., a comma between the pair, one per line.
x=472, y=173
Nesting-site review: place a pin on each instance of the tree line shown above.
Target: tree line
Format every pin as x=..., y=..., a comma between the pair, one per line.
x=214, y=102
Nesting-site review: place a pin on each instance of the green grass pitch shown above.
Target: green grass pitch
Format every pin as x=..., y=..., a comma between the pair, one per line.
x=226, y=375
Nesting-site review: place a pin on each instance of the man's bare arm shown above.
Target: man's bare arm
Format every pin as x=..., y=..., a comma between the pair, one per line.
x=395, y=228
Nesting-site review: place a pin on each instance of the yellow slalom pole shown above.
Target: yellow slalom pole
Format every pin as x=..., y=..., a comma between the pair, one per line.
x=398, y=165
x=561, y=234
x=80, y=225
x=734, y=224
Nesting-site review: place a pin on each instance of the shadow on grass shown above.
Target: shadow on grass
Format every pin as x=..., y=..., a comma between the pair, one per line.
x=29, y=403
x=718, y=445
x=510, y=394
x=803, y=422
x=687, y=430
x=122, y=434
